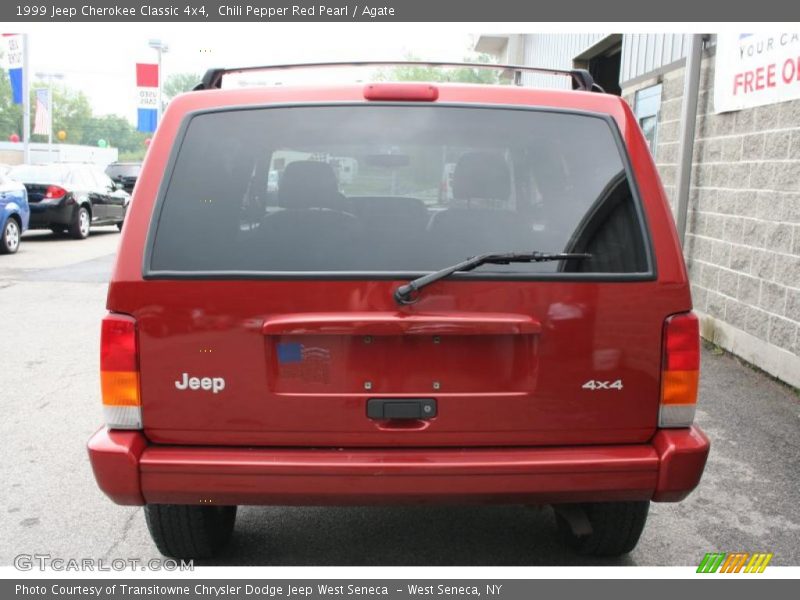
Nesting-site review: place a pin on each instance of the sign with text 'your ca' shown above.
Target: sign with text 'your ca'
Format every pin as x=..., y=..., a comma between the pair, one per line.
x=754, y=69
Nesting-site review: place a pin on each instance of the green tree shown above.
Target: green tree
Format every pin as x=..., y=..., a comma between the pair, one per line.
x=72, y=114
x=177, y=83
x=443, y=74
x=115, y=130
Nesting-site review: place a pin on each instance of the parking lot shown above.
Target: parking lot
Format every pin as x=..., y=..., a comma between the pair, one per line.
x=52, y=296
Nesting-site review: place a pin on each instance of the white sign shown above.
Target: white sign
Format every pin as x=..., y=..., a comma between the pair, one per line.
x=754, y=69
x=147, y=97
x=12, y=50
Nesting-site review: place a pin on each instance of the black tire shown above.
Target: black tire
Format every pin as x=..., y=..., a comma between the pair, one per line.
x=10, y=237
x=119, y=225
x=182, y=531
x=616, y=527
x=79, y=228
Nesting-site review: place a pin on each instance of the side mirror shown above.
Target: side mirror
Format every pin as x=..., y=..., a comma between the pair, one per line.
x=118, y=185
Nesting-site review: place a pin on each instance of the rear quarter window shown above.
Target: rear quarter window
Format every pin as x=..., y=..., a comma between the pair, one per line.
x=395, y=189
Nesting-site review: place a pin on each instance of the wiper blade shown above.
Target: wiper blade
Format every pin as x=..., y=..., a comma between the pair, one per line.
x=407, y=293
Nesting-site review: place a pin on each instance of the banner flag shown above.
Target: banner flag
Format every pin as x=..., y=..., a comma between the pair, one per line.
x=12, y=54
x=147, y=97
x=42, y=121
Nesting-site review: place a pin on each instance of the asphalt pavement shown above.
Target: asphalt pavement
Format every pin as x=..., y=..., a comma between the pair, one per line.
x=52, y=298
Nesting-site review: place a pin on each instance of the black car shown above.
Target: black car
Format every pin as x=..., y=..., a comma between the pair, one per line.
x=71, y=197
x=125, y=173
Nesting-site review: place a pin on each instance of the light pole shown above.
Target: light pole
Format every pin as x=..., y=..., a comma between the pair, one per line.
x=161, y=48
x=49, y=76
x=26, y=100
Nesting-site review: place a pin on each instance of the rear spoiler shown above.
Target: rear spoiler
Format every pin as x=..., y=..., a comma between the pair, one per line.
x=581, y=78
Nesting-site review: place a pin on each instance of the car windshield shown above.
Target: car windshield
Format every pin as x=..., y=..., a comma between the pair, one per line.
x=51, y=174
x=396, y=189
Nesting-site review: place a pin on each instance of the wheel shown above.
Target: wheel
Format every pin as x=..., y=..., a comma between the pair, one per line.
x=616, y=527
x=79, y=228
x=9, y=243
x=182, y=531
x=119, y=225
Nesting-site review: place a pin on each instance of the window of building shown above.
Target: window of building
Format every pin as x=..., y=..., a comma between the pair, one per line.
x=647, y=104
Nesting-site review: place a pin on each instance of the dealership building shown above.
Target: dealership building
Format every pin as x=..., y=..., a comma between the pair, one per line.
x=730, y=165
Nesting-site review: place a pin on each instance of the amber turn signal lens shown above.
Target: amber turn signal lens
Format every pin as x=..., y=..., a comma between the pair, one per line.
x=679, y=387
x=120, y=388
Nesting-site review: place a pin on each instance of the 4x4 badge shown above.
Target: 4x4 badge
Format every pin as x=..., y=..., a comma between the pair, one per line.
x=594, y=384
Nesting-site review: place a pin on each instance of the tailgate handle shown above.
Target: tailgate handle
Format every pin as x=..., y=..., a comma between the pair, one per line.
x=401, y=408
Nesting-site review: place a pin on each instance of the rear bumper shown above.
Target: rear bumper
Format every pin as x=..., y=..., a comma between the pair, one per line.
x=130, y=471
x=45, y=214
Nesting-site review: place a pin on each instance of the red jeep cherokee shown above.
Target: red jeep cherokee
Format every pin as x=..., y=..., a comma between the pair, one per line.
x=299, y=315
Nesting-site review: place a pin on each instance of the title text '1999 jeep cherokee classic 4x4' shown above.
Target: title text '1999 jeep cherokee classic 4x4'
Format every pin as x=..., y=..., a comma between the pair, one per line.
x=299, y=315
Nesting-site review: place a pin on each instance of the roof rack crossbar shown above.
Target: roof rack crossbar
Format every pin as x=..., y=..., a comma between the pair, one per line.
x=582, y=78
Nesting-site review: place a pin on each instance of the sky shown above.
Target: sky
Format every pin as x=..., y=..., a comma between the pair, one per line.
x=99, y=59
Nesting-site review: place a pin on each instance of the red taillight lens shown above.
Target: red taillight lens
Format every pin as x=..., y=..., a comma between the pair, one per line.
x=682, y=343
x=119, y=372
x=118, y=344
x=681, y=370
x=55, y=192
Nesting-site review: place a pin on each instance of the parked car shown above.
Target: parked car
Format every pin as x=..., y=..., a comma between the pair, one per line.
x=530, y=340
x=124, y=173
x=14, y=213
x=71, y=197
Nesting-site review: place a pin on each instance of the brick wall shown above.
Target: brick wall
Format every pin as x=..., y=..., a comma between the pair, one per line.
x=743, y=227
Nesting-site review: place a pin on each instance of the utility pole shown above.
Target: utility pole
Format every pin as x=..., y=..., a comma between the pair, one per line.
x=691, y=84
x=161, y=48
x=50, y=75
x=26, y=100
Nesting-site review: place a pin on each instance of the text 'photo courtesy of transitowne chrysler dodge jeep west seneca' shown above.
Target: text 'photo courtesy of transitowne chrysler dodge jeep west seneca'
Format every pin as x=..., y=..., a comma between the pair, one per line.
x=396, y=293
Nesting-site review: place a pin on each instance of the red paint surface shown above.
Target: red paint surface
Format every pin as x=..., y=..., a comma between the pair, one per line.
x=667, y=470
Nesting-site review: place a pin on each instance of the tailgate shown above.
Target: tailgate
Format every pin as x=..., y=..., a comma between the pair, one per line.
x=305, y=378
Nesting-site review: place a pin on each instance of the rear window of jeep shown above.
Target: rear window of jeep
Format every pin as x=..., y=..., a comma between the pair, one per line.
x=395, y=189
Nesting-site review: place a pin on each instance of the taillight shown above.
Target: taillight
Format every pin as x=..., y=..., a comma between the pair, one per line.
x=54, y=192
x=680, y=370
x=119, y=372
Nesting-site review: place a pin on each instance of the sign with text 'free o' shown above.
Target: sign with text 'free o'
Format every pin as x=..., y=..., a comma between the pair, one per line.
x=755, y=69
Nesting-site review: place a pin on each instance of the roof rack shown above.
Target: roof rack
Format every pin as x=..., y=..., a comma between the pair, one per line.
x=581, y=78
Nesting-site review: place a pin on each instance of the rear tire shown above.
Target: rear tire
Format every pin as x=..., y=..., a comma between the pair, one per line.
x=9, y=240
x=616, y=527
x=182, y=531
x=81, y=224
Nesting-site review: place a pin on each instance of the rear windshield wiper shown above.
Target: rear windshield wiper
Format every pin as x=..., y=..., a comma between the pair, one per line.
x=407, y=293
